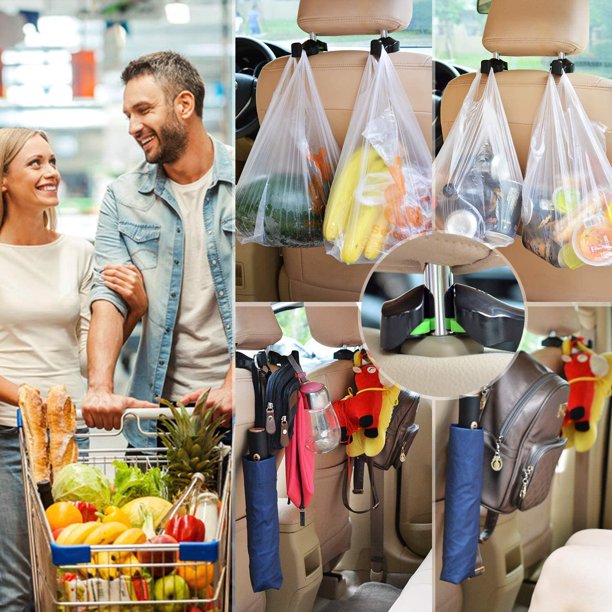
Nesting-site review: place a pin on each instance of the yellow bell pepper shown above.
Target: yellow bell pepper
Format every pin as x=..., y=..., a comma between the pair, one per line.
x=115, y=514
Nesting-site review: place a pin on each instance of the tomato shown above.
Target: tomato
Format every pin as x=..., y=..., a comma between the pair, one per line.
x=62, y=514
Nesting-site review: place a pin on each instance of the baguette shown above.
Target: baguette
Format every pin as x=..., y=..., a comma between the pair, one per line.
x=34, y=414
x=61, y=416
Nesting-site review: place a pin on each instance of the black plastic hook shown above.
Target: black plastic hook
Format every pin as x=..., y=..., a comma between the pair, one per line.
x=495, y=63
x=559, y=66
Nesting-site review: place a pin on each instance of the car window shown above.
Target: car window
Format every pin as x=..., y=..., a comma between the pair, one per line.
x=277, y=22
x=459, y=27
x=530, y=342
x=297, y=337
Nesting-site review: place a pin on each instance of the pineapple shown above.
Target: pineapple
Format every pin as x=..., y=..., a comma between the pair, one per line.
x=192, y=443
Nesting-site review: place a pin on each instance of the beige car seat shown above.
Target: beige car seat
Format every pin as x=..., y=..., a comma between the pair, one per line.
x=521, y=539
x=577, y=575
x=334, y=326
x=338, y=326
x=543, y=28
x=256, y=328
x=310, y=274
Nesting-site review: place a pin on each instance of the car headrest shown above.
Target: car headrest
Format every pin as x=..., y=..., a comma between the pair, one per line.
x=342, y=17
x=334, y=325
x=544, y=27
x=462, y=254
x=256, y=327
x=560, y=319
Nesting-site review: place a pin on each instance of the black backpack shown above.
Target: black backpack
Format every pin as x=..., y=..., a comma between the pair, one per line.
x=276, y=388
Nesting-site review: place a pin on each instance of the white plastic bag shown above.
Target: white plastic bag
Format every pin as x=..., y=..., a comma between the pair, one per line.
x=283, y=189
x=567, y=195
x=382, y=189
x=477, y=177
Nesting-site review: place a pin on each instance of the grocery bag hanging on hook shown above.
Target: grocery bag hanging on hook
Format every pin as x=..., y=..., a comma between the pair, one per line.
x=567, y=195
x=283, y=189
x=477, y=177
x=381, y=193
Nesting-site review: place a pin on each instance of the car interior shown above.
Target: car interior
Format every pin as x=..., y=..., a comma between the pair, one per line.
x=555, y=556
x=558, y=28
x=327, y=563
x=268, y=273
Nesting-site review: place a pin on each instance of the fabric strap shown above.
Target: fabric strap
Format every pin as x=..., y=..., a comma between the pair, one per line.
x=358, y=462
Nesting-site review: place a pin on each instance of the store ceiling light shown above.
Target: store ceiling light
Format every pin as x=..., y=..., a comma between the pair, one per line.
x=177, y=12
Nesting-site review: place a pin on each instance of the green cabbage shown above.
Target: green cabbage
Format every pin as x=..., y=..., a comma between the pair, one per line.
x=82, y=482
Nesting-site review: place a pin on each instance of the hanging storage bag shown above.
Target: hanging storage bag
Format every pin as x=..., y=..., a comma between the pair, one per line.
x=283, y=189
x=567, y=195
x=477, y=177
x=382, y=189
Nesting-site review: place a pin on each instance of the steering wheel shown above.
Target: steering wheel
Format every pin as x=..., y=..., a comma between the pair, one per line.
x=251, y=55
x=443, y=74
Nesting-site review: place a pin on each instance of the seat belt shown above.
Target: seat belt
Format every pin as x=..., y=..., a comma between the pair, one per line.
x=377, y=528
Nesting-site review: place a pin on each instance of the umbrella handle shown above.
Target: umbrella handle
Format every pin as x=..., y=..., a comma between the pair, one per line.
x=469, y=412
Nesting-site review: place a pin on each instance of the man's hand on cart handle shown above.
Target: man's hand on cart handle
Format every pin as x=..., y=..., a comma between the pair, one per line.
x=222, y=399
x=103, y=409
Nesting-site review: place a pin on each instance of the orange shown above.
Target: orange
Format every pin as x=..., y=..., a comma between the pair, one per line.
x=62, y=514
x=196, y=575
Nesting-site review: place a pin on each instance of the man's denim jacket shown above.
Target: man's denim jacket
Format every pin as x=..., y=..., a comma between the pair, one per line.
x=140, y=223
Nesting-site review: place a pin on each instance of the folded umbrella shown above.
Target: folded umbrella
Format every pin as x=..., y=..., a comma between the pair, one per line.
x=463, y=491
x=263, y=535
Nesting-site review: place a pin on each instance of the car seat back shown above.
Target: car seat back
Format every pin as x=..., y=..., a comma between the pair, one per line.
x=338, y=74
x=256, y=328
x=334, y=326
x=543, y=28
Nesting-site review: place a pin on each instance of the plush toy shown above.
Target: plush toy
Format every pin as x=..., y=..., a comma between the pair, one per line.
x=362, y=445
x=361, y=410
x=590, y=378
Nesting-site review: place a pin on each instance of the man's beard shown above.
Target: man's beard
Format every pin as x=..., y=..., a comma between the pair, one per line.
x=172, y=139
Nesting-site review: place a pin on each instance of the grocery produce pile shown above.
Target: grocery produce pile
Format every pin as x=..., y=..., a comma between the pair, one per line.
x=165, y=505
x=89, y=510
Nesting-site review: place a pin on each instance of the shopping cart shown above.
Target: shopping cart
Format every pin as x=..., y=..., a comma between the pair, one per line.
x=139, y=577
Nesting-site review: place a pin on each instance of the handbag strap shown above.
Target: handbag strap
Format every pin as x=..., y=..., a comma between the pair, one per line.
x=258, y=377
x=489, y=525
x=357, y=474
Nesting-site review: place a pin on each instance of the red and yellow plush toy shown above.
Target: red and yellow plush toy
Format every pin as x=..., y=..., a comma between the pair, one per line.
x=361, y=410
x=590, y=379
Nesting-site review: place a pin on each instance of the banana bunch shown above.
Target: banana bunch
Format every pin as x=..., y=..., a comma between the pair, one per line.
x=107, y=560
x=361, y=226
x=76, y=533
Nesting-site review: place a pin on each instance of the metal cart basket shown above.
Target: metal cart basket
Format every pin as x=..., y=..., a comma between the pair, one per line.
x=175, y=577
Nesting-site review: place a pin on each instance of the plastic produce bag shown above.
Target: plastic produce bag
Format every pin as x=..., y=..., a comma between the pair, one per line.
x=567, y=195
x=283, y=189
x=382, y=189
x=477, y=177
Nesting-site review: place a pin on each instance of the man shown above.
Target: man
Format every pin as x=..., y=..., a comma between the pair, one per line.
x=172, y=217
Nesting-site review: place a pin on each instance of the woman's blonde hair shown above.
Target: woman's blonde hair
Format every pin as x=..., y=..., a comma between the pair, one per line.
x=11, y=142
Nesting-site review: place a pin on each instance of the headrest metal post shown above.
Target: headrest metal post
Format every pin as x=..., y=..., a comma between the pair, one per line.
x=438, y=279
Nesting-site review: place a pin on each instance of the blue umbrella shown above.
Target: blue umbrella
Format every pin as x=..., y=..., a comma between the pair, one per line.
x=263, y=534
x=463, y=491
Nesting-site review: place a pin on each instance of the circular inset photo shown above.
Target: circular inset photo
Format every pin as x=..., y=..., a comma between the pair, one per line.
x=442, y=315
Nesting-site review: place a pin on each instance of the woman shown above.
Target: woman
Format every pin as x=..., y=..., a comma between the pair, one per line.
x=45, y=280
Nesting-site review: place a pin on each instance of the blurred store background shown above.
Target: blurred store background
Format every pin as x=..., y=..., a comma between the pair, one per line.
x=60, y=66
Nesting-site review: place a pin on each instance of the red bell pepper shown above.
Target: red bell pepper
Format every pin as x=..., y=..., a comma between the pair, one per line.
x=186, y=528
x=88, y=511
